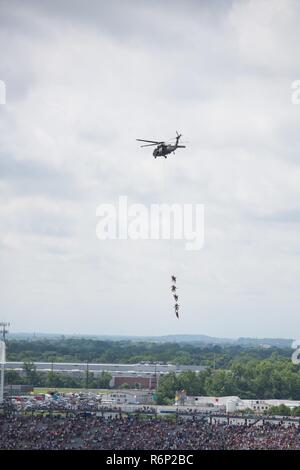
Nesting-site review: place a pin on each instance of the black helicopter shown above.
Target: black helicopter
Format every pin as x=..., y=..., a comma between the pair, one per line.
x=162, y=148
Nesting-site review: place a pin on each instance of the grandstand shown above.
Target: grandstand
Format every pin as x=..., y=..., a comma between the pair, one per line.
x=131, y=432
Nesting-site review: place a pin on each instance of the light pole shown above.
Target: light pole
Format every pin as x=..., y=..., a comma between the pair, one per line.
x=3, y=327
x=2, y=363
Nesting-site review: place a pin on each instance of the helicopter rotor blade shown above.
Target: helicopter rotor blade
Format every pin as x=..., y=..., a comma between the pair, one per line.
x=148, y=145
x=152, y=141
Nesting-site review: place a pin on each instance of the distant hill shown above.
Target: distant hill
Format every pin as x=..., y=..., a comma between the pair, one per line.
x=189, y=339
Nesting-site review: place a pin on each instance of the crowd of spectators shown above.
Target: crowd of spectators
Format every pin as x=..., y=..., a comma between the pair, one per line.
x=119, y=433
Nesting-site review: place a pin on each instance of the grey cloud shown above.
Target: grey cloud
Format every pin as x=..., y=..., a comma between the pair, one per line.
x=288, y=216
x=130, y=69
x=46, y=224
x=33, y=177
x=122, y=19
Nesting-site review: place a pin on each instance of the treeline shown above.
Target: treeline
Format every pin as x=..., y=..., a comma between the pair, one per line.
x=272, y=378
x=82, y=350
x=283, y=410
x=261, y=373
x=30, y=376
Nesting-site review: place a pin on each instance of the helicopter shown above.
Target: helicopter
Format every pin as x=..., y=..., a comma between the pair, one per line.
x=162, y=148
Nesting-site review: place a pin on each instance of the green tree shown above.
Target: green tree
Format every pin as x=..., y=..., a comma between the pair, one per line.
x=31, y=375
x=167, y=386
x=221, y=383
x=281, y=410
x=103, y=380
x=296, y=411
x=12, y=377
x=125, y=386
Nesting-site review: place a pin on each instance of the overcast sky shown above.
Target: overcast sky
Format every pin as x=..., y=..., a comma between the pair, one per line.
x=83, y=81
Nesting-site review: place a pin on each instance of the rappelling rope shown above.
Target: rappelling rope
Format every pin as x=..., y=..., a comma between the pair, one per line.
x=171, y=269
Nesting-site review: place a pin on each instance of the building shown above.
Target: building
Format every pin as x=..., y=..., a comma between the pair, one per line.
x=128, y=397
x=258, y=406
x=234, y=404
x=134, y=381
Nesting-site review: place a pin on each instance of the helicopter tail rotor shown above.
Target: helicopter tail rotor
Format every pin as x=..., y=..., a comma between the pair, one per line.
x=178, y=137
